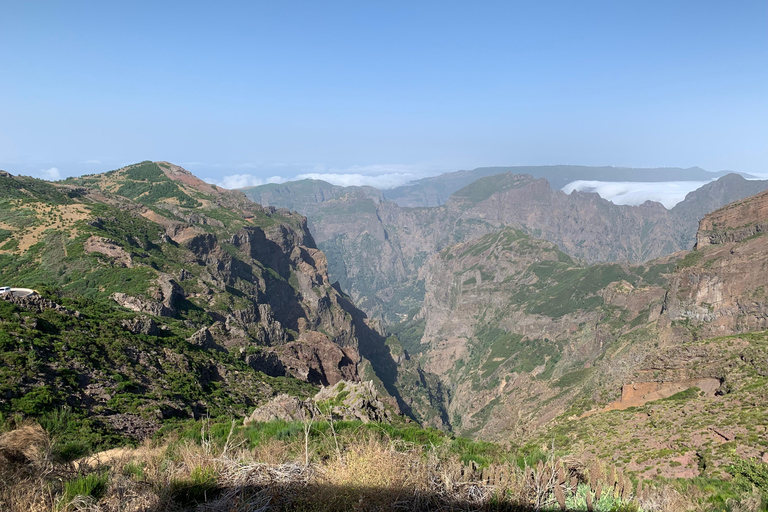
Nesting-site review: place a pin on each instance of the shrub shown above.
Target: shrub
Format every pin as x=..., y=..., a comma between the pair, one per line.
x=748, y=474
x=93, y=486
x=198, y=488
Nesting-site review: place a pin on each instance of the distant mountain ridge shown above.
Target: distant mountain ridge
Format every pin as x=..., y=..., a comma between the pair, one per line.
x=376, y=248
x=437, y=190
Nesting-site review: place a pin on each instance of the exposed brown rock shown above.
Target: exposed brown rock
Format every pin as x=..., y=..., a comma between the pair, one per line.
x=734, y=222
x=344, y=401
x=163, y=298
x=142, y=325
x=108, y=248
x=724, y=290
x=640, y=393
x=315, y=358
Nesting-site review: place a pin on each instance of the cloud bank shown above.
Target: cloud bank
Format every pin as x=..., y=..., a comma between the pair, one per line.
x=668, y=193
x=380, y=176
x=244, y=180
x=382, y=181
x=51, y=174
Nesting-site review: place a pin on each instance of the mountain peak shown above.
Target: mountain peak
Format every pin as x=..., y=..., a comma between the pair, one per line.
x=178, y=173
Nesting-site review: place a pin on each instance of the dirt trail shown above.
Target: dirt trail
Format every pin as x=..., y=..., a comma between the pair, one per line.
x=116, y=454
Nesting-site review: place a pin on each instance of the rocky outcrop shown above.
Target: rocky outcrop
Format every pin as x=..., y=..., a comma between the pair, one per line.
x=162, y=302
x=265, y=361
x=202, y=338
x=109, y=248
x=735, y=222
x=37, y=303
x=315, y=358
x=346, y=401
x=354, y=401
x=142, y=325
x=283, y=407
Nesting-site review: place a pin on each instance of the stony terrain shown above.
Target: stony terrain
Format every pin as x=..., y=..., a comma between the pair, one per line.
x=720, y=288
x=162, y=299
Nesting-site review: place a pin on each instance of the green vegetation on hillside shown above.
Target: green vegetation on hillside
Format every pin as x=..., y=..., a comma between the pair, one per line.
x=484, y=188
x=47, y=357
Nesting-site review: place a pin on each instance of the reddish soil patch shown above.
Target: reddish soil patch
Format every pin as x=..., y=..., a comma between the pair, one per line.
x=640, y=393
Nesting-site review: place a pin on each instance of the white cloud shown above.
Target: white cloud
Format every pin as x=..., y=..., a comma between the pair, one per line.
x=244, y=180
x=668, y=193
x=382, y=181
x=380, y=176
x=51, y=174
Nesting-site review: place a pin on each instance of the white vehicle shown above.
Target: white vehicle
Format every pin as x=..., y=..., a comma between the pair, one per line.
x=5, y=289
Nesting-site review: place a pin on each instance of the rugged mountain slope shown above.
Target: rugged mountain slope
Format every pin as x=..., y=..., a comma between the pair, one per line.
x=224, y=302
x=305, y=196
x=690, y=409
x=708, y=354
x=523, y=336
x=720, y=288
x=513, y=327
x=376, y=248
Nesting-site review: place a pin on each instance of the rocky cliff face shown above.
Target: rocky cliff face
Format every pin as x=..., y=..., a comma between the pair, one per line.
x=734, y=223
x=720, y=288
x=514, y=328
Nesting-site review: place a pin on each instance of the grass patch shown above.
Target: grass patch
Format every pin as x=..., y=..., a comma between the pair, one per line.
x=93, y=486
x=690, y=259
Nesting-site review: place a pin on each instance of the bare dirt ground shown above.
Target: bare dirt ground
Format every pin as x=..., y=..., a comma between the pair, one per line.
x=58, y=217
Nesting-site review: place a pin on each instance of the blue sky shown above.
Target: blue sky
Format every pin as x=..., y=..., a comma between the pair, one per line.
x=239, y=92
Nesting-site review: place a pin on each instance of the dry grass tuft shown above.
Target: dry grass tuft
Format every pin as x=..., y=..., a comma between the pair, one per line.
x=28, y=444
x=665, y=500
x=369, y=472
